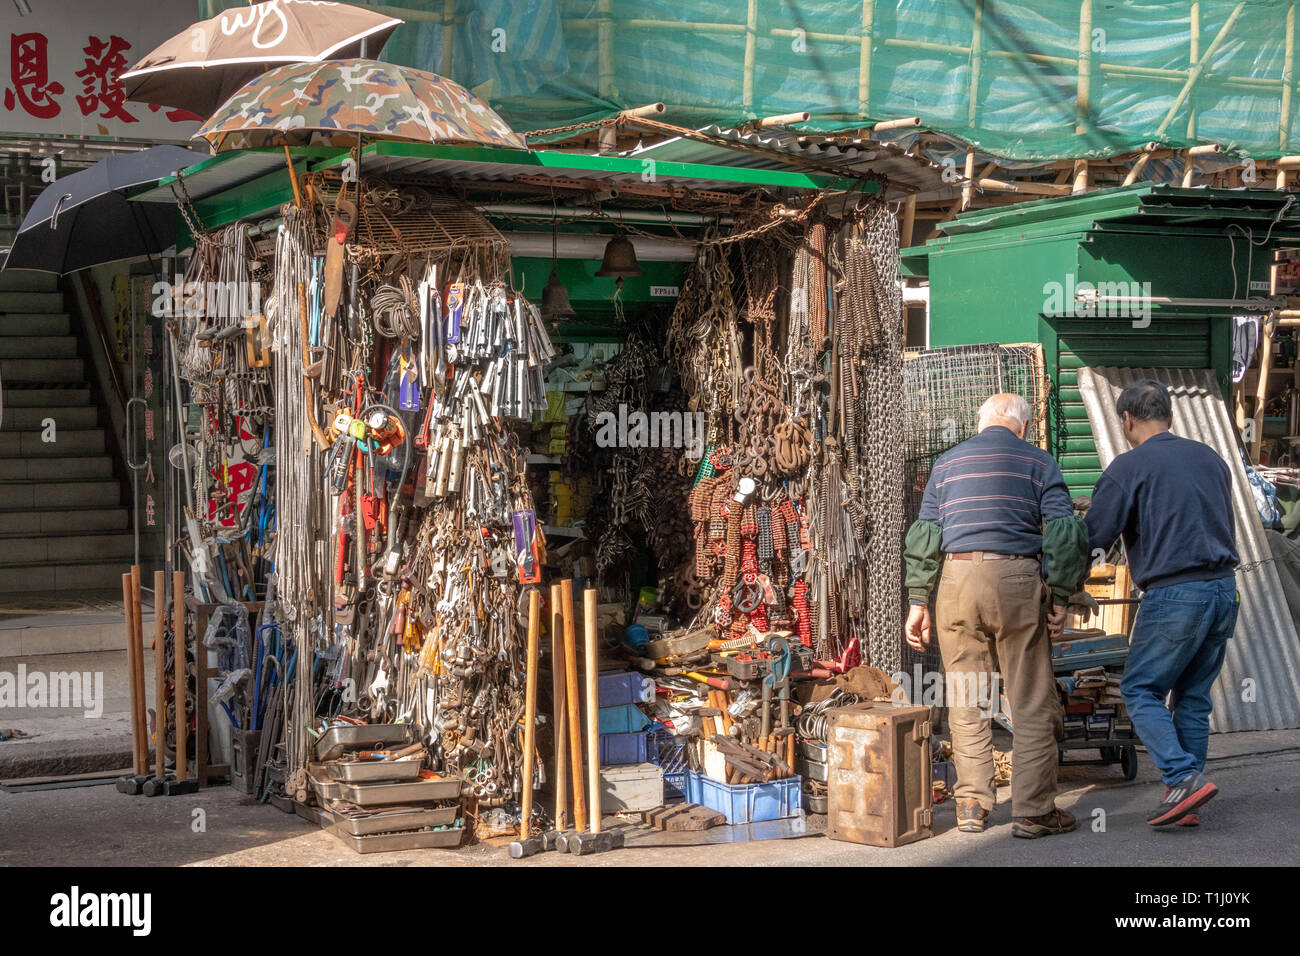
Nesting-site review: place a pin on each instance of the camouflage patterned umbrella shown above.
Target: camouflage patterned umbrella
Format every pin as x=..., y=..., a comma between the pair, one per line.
x=331, y=102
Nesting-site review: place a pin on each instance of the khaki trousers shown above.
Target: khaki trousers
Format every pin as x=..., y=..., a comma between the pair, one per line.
x=992, y=624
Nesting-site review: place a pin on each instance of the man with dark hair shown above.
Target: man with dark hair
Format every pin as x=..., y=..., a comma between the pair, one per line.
x=1170, y=499
x=998, y=516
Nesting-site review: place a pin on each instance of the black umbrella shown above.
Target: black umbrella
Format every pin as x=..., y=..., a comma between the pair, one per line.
x=84, y=220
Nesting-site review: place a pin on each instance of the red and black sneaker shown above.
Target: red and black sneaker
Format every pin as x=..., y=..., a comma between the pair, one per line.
x=1181, y=799
x=1188, y=819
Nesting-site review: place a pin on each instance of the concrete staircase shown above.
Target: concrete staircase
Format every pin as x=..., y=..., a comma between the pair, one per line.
x=62, y=523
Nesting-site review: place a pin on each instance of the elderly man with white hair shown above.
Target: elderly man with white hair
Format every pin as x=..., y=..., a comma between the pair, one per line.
x=996, y=510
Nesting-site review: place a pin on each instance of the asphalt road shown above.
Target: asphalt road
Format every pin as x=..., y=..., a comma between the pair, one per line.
x=1253, y=822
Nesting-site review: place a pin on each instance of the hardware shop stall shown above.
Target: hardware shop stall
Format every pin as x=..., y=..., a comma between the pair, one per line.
x=422, y=455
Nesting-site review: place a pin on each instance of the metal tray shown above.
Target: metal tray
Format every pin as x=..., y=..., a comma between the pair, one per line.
x=324, y=788
x=813, y=770
x=339, y=740
x=414, y=840
x=365, y=771
x=814, y=750
x=390, y=794
x=391, y=821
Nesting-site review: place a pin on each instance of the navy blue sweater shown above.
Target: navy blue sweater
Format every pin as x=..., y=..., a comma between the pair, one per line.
x=993, y=492
x=1170, y=499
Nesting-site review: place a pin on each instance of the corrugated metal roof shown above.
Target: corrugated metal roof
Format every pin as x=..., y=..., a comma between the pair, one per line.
x=917, y=174
x=1265, y=648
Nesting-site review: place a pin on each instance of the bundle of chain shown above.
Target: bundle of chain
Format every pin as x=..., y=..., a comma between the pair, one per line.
x=626, y=378
x=882, y=431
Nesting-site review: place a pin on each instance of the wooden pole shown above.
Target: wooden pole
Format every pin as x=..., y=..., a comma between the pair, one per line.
x=590, y=639
x=1261, y=388
x=138, y=622
x=530, y=709
x=128, y=613
x=159, y=675
x=575, y=711
x=181, y=684
x=559, y=716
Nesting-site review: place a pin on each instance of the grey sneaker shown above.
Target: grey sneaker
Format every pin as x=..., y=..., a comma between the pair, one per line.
x=1181, y=799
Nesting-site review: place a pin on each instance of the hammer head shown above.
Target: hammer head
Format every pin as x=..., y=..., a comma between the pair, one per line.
x=562, y=838
x=584, y=844
x=132, y=783
x=520, y=849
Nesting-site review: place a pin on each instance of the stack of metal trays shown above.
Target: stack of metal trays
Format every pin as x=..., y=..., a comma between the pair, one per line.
x=337, y=741
x=811, y=764
x=397, y=828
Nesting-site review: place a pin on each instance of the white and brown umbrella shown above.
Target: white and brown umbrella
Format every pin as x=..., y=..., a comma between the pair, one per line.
x=203, y=66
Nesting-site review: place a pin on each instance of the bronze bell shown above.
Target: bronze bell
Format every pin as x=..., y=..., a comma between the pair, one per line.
x=620, y=259
x=555, y=299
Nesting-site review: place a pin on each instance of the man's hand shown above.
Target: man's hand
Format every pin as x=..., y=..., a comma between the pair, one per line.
x=1055, y=621
x=917, y=629
x=1085, y=604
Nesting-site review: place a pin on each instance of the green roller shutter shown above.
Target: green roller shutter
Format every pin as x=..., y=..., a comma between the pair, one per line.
x=1165, y=343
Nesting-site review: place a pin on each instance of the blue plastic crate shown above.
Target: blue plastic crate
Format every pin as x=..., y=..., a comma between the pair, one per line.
x=746, y=803
x=669, y=752
x=623, y=719
x=624, y=748
x=624, y=687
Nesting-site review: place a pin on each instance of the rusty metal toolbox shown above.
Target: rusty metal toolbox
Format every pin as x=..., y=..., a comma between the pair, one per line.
x=411, y=840
x=339, y=740
x=368, y=823
x=409, y=791
x=366, y=771
x=879, y=786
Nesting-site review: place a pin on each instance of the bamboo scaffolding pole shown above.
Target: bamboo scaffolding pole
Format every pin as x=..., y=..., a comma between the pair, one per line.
x=1261, y=387
x=909, y=221
x=1080, y=176
x=864, y=57
x=968, y=187
x=782, y=119
x=976, y=62
x=1029, y=189
x=1138, y=166
x=1194, y=54
x=1288, y=79
x=1083, y=98
x=886, y=125
x=448, y=37
x=1196, y=72
x=751, y=56
x=605, y=85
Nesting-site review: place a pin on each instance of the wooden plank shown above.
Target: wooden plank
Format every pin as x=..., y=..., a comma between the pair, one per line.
x=65, y=778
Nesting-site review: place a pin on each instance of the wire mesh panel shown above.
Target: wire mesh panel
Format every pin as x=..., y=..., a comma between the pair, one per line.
x=943, y=390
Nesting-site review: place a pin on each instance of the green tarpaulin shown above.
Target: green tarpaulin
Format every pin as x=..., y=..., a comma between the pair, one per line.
x=1004, y=76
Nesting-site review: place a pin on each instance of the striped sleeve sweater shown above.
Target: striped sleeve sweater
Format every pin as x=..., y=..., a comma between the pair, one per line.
x=995, y=492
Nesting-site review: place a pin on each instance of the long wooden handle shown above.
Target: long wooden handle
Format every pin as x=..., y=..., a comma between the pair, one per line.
x=137, y=607
x=575, y=710
x=589, y=640
x=128, y=617
x=181, y=685
x=530, y=708
x=159, y=675
x=559, y=716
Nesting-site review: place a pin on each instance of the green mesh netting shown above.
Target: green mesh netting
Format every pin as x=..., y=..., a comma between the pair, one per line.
x=1004, y=76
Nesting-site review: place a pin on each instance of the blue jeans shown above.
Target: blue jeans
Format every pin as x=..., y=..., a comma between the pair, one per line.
x=1178, y=642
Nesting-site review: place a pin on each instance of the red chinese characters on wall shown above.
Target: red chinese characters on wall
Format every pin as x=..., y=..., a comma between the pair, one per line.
x=29, y=72
x=102, y=95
